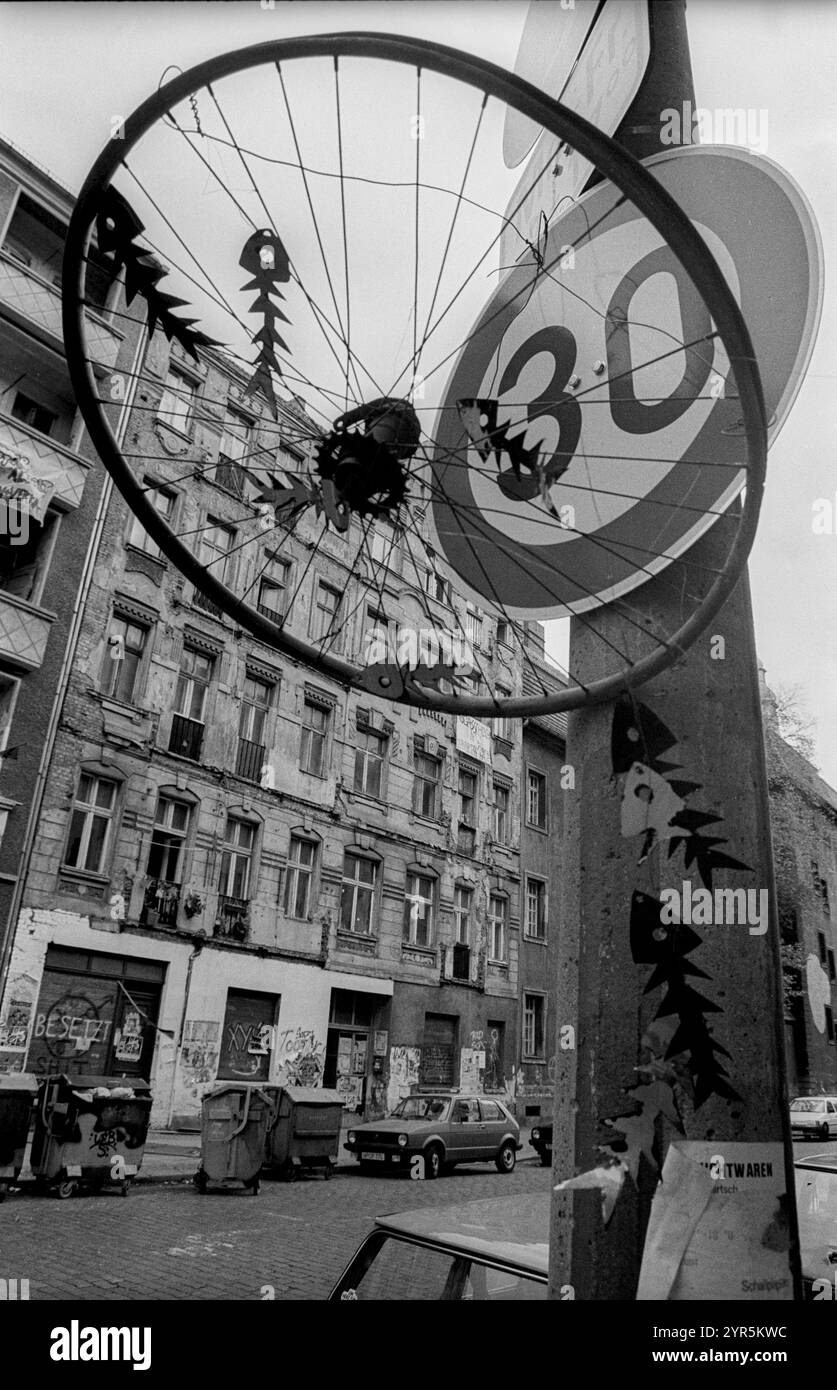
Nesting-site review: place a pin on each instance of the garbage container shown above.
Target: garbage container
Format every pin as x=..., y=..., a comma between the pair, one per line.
x=306, y=1132
x=89, y=1130
x=17, y=1091
x=235, y=1119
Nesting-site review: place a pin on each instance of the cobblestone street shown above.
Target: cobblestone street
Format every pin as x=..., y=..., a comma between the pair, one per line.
x=168, y=1242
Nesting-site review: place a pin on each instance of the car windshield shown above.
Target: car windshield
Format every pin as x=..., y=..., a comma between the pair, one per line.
x=816, y=1204
x=815, y=1107
x=421, y=1108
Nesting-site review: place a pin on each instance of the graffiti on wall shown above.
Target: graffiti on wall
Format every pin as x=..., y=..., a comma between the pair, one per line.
x=199, y=1053
x=300, y=1056
x=471, y=1068
x=404, y=1067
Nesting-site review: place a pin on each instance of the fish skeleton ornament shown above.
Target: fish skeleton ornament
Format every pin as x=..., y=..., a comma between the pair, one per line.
x=265, y=258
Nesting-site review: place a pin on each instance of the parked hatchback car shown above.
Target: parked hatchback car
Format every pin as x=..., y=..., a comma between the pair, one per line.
x=473, y=1251
x=440, y=1130
x=813, y=1117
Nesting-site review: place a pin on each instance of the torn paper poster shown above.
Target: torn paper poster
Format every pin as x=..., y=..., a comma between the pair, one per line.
x=609, y=1179
x=719, y=1224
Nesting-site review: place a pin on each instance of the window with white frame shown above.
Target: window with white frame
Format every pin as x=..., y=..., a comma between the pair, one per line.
x=357, y=896
x=315, y=718
x=237, y=858
x=235, y=451
x=91, y=824
x=178, y=400
x=463, y=905
x=534, y=1008
x=255, y=703
x=273, y=588
x=370, y=759
x=299, y=876
x=382, y=544
x=193, y=684
x=502, y=727
x=535, y=908
x=123, y=658
x=498, y=916
x=535, y=799
x=216, y=545
x=168, y=840
x=502, y=813
x=426, y=786
x=473, y=625
x=419, y=910
x=326, y=607
x=163, y=501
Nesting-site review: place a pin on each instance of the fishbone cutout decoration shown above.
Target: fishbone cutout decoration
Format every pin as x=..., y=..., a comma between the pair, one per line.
x=117, y=228
x=265, y=258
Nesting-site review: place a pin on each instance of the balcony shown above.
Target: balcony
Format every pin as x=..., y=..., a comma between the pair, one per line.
x=35, y=304
x=186, y=737
x=201, y=601
x=231, y=475
x=47, y=461
x=23, y=633
x=160, y=904
x=249, y=760
x=233, y=918
x=272, y=613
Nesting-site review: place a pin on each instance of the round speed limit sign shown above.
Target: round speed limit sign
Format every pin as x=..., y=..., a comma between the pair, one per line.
x=590, y=431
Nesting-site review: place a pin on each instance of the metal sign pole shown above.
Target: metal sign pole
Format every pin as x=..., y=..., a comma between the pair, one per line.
x=711, y=1048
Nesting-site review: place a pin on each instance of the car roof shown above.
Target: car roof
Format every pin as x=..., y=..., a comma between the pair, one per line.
x=511, y=1230
x=824, y=1163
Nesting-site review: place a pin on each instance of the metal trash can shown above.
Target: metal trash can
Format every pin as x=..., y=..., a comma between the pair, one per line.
x=235, y=1119
x=306, y=1132
x=17, y=1092
x=89, y=1130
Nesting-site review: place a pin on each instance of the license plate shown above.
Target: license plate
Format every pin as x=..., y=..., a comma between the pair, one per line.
x=375, y=1158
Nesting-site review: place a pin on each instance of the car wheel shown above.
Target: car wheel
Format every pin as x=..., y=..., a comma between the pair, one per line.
x=506, y=1158
x=433, y=1160
x=823, y=1131
x=66, y=1189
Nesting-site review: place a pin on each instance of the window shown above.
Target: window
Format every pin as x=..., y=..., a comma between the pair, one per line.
x=326, y=606
x=273, y=588
x=503, y=633
x=473, y=625
x=823, y=947
x=126, y=644
x=382, y=545
x=255, y=703
x=215, y=545
x=463, y=902
x=467, y=797
x=357, y=897
x=503, y=727
x=426, y=786
x=502, y=813
x=235, y=449
x=299, y=876
x=314, y=734
x=533, y=1031
x=498, y=909
x=829, y=1023
x=26, y=548
x=187, y=726
x=163, y=502
x=370, y=755
x=193, y=684
x=91, y=824
x=536, y=799
x=438, y=1053
x=376, y=636
x=177, y=401
x=832, y=967
x=418, y=910
x=31, y=413
x=236, y=859
x=435, y=585
x=168, y=838
x=536, y=908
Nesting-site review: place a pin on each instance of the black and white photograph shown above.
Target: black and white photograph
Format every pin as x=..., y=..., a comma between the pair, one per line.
x=418, y=588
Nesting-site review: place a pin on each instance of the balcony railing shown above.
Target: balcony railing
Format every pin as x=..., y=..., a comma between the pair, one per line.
x=160, y=904
x=48, y=460
x=33, y=301
x=186, y=737
x=23, y=632
x=200, y=600
x=272, y=613
x=230, y=475
x=233, y=918
x=250, y=760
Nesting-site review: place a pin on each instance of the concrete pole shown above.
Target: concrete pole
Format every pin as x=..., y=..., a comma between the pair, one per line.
x=712, y=707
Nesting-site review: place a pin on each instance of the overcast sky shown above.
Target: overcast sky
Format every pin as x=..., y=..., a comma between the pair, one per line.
x=66, y=69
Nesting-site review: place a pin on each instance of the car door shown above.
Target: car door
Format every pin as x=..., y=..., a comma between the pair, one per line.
x=831, y=1116
x=494, y=1125
x=465, y=1131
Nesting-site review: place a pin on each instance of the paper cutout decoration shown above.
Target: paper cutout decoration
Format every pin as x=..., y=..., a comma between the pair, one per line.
x=819, y=991
x=608, y=1179
x=394, y=682
x=638, y=739
x=666, y=947
x=265, y=258
x=117, y=228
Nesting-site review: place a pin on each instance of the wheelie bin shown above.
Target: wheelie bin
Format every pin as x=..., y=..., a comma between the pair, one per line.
x=17, y=1092
x=235, y=1118
x=306, y=1131
x=90, y=1132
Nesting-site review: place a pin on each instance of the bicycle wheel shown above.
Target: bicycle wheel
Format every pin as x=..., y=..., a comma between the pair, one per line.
x=462, y=472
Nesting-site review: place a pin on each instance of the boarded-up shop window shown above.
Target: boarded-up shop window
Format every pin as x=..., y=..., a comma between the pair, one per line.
x=439, y=1050
x=247, y=1039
